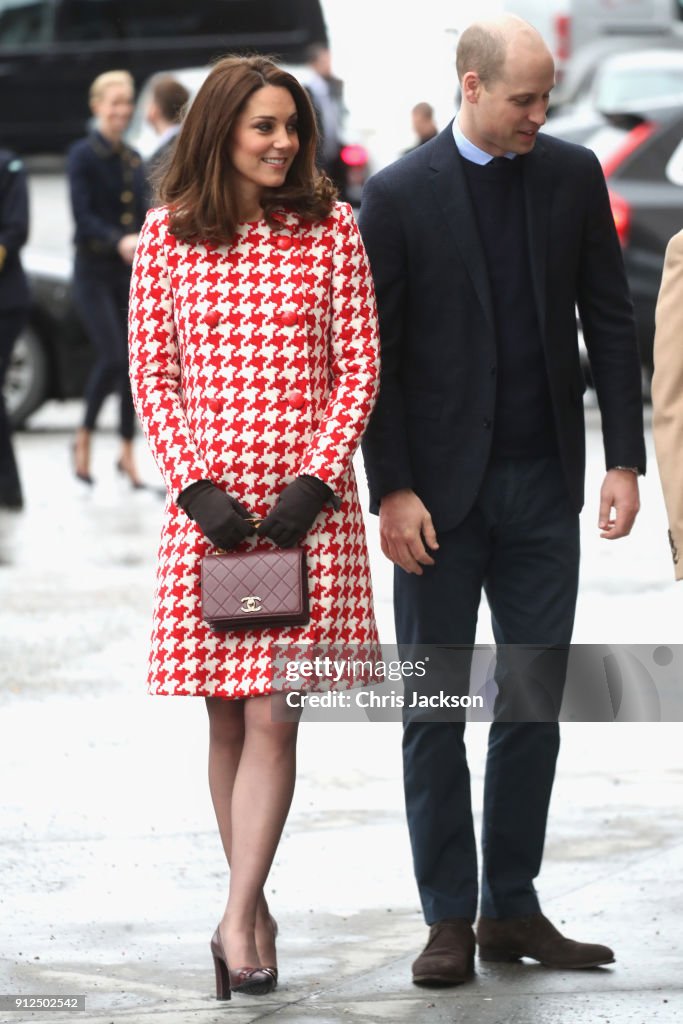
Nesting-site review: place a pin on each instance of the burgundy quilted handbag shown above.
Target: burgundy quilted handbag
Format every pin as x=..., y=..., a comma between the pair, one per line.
x=250, y=589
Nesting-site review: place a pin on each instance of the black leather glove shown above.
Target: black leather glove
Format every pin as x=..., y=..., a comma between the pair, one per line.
x=296, y=508
x=218, y=515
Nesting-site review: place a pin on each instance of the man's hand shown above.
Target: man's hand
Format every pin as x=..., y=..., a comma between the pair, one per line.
x=406, y=530
x=619, y=491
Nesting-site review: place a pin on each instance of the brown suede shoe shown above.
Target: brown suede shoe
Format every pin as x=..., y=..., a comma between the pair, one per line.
x=448, y=957
x=511, y=938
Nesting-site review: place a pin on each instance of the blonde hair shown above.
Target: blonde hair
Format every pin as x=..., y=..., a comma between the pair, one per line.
x=108, y=78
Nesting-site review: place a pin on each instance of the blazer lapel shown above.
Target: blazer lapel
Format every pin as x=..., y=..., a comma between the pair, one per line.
x=452, y=194
x=537, y=188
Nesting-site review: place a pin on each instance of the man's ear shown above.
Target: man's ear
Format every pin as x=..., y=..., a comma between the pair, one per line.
x=471, y=86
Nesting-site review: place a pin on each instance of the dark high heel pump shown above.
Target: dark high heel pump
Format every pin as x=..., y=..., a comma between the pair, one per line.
x=80, y=474
x=137, y=485
x=255, y=981
x=272, y=970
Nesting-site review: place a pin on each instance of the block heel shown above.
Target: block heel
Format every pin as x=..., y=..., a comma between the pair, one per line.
x=498, y=956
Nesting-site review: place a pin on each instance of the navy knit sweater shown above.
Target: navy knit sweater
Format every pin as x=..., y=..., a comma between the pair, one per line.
x=523, y=426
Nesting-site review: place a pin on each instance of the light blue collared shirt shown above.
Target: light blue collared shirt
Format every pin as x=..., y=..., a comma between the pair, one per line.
x=471, y=152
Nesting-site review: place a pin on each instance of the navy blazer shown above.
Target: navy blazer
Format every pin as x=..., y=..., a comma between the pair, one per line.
x=432, y=427
x=108, y=191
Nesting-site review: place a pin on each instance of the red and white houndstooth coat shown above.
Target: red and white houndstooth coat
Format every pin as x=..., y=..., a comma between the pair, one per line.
x=251, y=364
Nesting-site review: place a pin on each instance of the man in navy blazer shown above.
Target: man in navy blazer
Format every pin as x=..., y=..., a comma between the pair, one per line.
x=482, y=243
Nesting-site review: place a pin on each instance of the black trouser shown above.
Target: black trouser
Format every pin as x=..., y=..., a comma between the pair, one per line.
x=101, y=298
x=11, y=323
x=520, y=543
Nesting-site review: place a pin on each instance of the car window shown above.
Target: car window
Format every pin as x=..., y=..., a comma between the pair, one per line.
x=154, y=19
x=674, y=166
x=615, y=90
x=24, y=23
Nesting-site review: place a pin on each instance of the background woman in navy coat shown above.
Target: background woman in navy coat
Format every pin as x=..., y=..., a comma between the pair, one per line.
x=108, y=198
x=14, y=304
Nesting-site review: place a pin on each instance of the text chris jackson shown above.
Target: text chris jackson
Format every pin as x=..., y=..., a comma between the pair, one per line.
x=370, y=699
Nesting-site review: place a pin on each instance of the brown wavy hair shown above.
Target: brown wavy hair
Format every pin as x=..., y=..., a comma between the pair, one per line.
x=196, y=184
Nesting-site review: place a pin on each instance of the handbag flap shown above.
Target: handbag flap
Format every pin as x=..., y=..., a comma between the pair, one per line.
x=248, y=584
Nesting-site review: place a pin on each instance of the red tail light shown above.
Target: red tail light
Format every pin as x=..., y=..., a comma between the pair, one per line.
x=621, y=211
x=354, y=156
x=563, y=36
x=635, y=138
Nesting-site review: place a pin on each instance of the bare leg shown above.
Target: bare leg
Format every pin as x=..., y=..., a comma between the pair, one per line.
x=82, y=453
x=126, y=462
x=262, y=794
x=226, y=737
x=252, y=763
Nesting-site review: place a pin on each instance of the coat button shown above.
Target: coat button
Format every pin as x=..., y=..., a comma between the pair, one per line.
x=296, y=399
x=487, y=423
x=215, y=405
x=288, y=318
x=212, y=318
x=283, y=242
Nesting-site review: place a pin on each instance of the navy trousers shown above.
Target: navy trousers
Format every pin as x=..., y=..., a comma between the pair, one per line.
x=100, y=290
x=520, y=543
x=11, y=324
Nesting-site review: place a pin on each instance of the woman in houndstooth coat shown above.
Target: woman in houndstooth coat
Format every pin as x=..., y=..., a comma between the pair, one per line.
x=254, y=367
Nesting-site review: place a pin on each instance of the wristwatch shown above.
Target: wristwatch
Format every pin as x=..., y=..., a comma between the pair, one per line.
x=631, y=469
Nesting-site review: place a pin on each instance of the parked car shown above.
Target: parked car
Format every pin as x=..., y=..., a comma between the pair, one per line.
x=51, y=50
x=642, y=159
x=649, y=81
x=354, y=155
x=52, y=356
x=586, y=65
x=571, y=26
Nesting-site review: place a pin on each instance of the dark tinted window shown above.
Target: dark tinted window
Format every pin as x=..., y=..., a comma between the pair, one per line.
x=24, y=23
x=147, y=19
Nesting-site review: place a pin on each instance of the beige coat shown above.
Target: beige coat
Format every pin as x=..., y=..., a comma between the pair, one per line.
x=667, y=394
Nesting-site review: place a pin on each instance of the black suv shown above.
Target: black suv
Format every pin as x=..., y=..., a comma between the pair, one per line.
x=51, y=50
x=642, y=158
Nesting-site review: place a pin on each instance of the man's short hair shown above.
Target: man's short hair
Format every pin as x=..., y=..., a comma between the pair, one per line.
x=314, y=51
x=170, y=97
x=423, y=109
x=483, y=50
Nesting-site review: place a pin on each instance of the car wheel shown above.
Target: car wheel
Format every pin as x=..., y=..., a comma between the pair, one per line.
x=27, y=377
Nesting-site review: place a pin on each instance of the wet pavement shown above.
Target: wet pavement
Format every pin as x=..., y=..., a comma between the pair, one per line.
x=112, y=873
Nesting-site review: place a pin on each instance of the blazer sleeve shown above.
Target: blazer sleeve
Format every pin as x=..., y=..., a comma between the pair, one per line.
x=155, y=368
x=385, y=444
x=354, y=357
x=607, y=319
x=667, y=394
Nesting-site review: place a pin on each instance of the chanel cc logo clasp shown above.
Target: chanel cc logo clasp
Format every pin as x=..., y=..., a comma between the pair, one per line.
x=252, y=603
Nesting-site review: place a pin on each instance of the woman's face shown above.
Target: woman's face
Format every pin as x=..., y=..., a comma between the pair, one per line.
x=113, y=109
x=265, y=141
